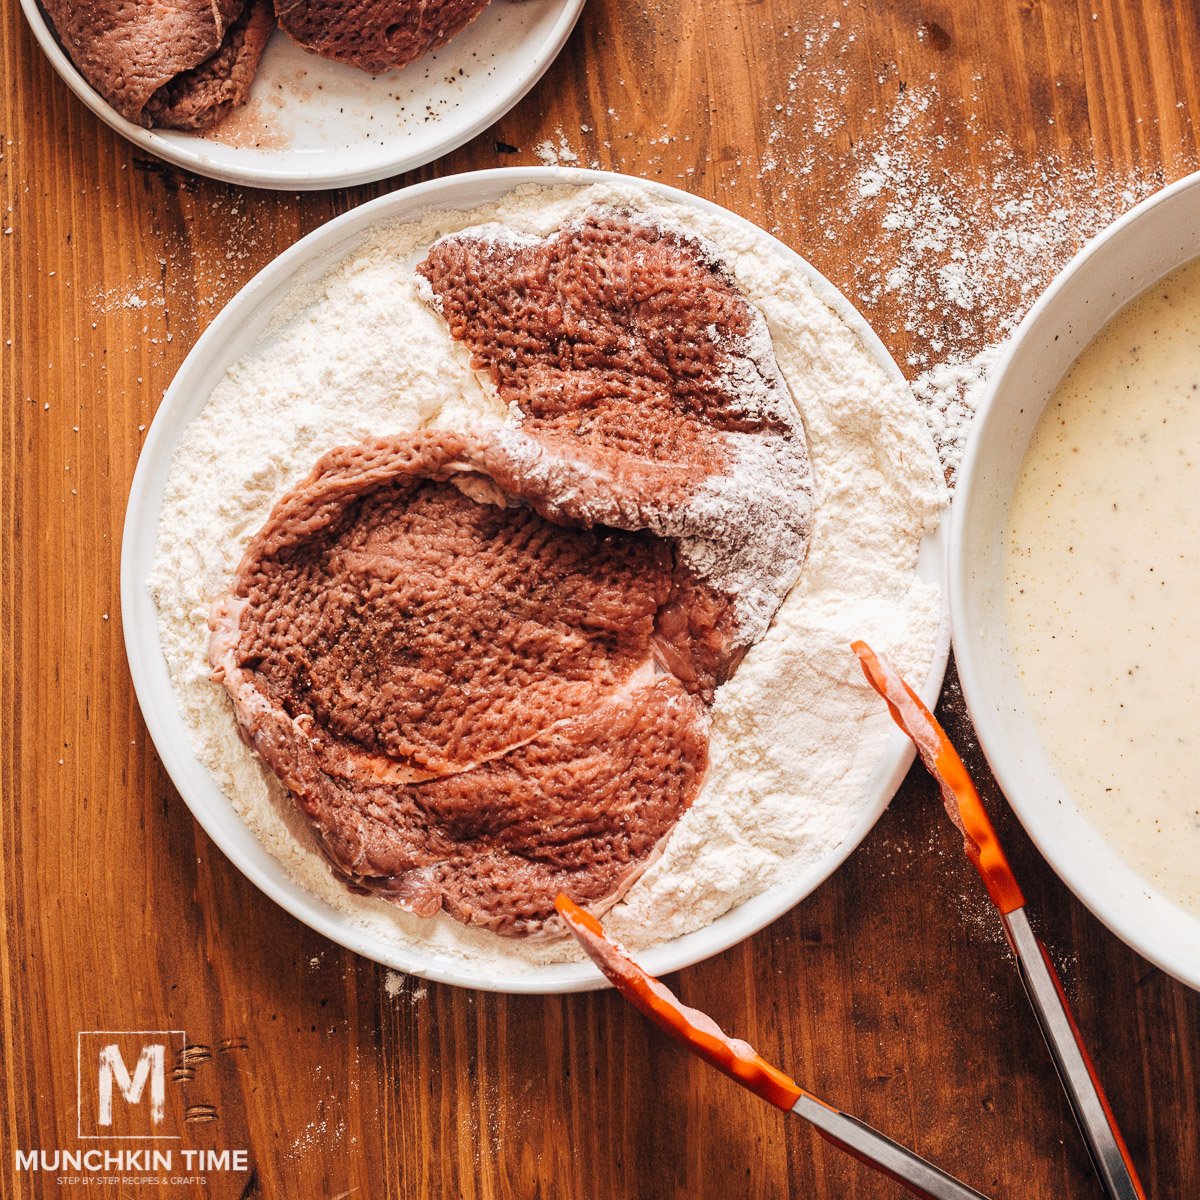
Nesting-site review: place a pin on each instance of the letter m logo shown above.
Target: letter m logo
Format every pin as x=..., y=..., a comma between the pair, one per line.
x=150, y=1066
x=122, y=1081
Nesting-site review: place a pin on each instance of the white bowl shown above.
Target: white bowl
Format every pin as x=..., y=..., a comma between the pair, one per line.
x=1161, y=233
x=343, y=127
x=232, y=335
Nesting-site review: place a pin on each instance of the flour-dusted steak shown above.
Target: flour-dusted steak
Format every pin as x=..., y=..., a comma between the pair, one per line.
x=473, y=706
x=202, y=52
x=481, y=662
x=375, y=35
x=647, y=389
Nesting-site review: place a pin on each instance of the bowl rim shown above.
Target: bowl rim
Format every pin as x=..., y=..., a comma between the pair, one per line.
x=327, y=176
x=1129, y=925
x=156, y=695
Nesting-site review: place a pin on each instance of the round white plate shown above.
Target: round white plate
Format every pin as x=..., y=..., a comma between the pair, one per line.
x=311, y=123
x=231, y=336
x=1160, y=234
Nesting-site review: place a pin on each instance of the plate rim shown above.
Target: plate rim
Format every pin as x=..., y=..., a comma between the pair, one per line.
x=324, y=178
x=146, y=660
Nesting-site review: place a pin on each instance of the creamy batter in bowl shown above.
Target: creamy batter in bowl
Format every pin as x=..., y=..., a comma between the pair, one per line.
x=1103, y=851
x=741, y=856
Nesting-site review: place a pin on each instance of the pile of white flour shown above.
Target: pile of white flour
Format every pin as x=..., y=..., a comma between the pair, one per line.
x=797, y=736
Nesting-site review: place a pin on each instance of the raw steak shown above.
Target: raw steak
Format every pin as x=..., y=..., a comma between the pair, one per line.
x=375, y=35
x=204, y=52
x=648, y=393
x=471, y=705
x=481, y=662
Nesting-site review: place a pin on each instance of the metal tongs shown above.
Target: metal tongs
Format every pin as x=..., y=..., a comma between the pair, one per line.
x=739, y=1061
x=1107, y=1148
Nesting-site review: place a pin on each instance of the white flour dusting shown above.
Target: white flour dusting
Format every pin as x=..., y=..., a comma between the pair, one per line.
x=960, y=261
x=797, y=735
x=395, y=985
x=949, y=249
x=950, y=392
x=556, y=154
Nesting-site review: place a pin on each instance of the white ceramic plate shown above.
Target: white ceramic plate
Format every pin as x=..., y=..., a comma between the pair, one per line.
x=231, y=336
x=328, y=125
x=1160, y=234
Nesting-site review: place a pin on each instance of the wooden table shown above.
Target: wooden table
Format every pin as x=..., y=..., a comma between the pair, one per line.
x=888, y=990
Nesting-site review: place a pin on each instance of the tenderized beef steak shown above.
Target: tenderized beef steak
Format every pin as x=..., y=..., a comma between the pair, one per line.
x=203, y=52
x=647, y=389
x=375, y=35
x=202, y=97
x=472, y=706
x=481, y=662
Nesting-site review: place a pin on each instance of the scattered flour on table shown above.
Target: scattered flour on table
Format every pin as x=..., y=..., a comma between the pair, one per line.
x=397, y=984
x=556, y=153
x=969, y=257
x=949, y=251
x=797, y=737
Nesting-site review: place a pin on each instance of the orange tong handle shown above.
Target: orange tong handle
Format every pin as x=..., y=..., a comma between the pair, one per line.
x=687, y=1025
x=943, y=763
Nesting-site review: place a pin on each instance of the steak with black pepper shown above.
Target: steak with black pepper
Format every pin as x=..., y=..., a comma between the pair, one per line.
x=482, y=662
x=471, y=705
x=375, y=35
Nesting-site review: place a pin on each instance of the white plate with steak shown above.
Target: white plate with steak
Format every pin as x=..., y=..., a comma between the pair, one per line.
x=572, y=621
x=215, y=87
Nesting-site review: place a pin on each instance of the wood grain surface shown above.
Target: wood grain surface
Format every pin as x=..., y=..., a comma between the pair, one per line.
x=888, y=991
